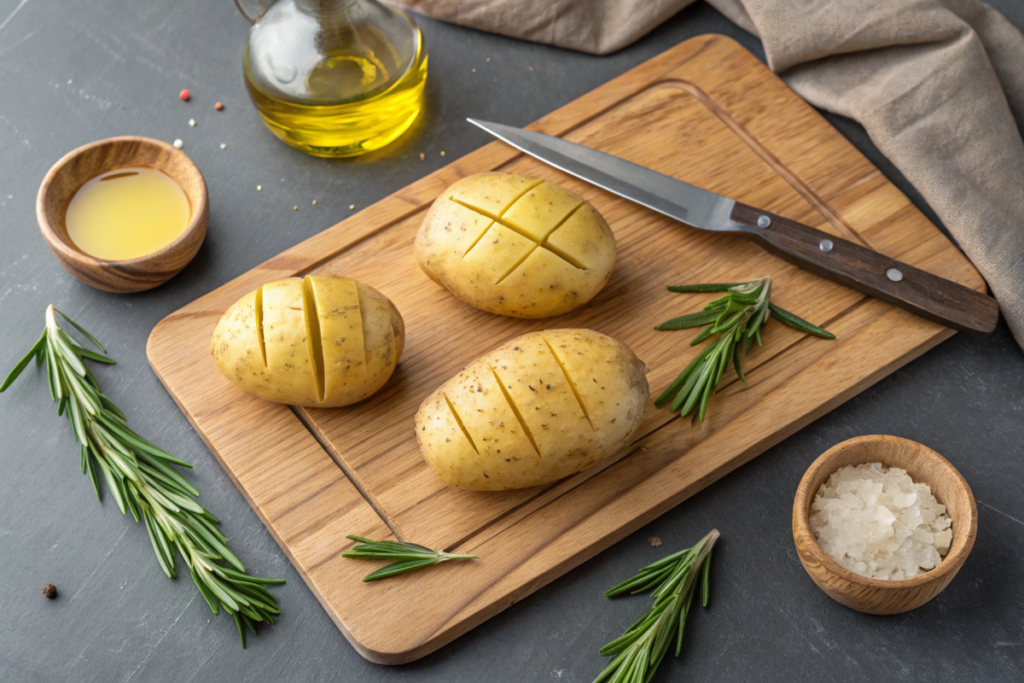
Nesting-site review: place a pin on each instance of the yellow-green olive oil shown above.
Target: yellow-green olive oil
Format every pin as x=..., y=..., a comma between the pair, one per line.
x=127, y=213
x=352, y=102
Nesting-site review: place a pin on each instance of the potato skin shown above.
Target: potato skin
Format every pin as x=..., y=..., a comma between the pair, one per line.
x=361, y=334
x=513, y=418
x=516, y=246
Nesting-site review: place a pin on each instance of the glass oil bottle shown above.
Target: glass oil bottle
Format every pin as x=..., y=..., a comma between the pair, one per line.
x=336, y=78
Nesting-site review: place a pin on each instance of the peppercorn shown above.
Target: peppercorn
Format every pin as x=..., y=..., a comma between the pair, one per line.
x=50, y=591
x=218, y=106
x=184, y=95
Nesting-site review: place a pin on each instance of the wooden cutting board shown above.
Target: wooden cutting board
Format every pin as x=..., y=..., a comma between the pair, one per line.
x=706, y=112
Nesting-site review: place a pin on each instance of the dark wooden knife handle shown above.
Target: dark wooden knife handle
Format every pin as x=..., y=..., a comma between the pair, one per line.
x=919, y=292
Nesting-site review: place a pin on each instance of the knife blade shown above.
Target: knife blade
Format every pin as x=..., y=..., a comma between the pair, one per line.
x=929, y=296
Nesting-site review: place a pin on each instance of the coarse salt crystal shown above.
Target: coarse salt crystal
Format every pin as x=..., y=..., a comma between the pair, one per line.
x=880, y=523
x=903, y=500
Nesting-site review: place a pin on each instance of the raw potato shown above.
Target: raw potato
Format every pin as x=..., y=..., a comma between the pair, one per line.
x=537, y=409
x=320, y=341
x=516, y=246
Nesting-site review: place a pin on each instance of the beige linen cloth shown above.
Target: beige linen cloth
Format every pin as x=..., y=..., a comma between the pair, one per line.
x=937, y=84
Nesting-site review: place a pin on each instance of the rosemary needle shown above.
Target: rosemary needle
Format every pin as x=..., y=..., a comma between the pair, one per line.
x=407, y=556
x=141, y=478
x=673, y=581
x=737, y=318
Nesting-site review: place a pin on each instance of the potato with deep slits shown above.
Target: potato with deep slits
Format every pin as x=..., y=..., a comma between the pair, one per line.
x=537, y=409
x=516, y=246
x=320, y=341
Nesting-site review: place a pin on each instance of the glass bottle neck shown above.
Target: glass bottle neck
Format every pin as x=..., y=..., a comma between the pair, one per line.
x=321, y=8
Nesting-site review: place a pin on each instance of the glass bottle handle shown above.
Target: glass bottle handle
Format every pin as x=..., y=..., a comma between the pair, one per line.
x=252, y=10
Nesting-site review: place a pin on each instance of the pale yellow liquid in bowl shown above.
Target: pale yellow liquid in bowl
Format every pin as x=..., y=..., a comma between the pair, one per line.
x=127, y=213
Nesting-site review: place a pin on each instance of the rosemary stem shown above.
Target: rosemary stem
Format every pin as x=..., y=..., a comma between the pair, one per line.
x=738, y=318
x=141, y=478
x=640, y=650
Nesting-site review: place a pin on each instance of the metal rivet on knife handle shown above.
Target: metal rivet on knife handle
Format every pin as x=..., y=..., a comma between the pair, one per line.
x=894, y=274
x=826, y=246
x=763, y=221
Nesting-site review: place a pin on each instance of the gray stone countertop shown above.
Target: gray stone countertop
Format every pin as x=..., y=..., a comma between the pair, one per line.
x=75, y=71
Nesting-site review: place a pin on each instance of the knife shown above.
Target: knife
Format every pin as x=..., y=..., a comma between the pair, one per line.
x=929, y=296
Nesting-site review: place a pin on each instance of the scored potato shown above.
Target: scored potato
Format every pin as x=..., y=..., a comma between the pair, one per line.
x=319, y=341
x=516, y=246
x=537, y=409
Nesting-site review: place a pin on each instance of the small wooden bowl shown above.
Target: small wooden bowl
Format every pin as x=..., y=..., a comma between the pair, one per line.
x=89, y=161
x=877, y=596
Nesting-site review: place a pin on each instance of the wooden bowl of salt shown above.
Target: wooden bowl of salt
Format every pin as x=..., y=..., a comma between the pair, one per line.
x=883, y=596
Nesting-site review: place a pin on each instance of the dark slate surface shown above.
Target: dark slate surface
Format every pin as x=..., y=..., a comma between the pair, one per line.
x=74, y=71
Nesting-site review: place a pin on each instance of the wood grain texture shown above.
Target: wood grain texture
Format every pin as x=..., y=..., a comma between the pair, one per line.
x=88, y=161
x=706, y=112
x=938, y=299
x=877, y=596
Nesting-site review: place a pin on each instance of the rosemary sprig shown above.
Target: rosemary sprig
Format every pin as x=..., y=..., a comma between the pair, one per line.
x=639, y=651
x=142, y=480
x=407, y=556
x=738, y=318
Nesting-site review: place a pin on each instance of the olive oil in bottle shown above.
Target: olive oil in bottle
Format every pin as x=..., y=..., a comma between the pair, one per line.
x=336, y=78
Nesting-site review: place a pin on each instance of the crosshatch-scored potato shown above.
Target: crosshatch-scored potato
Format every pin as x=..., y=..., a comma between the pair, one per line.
x=320, y=341
x=537, y=409
x=516, y=246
